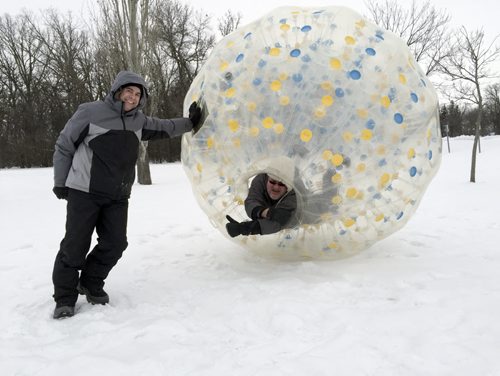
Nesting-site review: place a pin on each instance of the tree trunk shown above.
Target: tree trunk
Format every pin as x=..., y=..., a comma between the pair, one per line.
x=143, y=172
x=474, y=147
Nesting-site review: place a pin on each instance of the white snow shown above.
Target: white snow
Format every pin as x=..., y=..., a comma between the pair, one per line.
x=187, y=301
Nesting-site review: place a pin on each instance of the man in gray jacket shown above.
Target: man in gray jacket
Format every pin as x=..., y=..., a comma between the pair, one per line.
x=94, y=169
x=271, y=205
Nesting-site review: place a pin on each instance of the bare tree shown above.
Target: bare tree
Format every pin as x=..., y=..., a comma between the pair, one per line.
x=184, y=35
x=23, y=77
x=423, y=27
x=228, y=23
x=468, y=67
x=67, y=49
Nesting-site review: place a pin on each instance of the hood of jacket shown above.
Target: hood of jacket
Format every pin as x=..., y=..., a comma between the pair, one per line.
x=125, y=78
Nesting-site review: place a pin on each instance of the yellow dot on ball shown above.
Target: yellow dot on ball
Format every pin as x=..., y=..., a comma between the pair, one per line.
x=223, y=65
x=319, y=112
x=327, y=100
x=402, y=78
x=254, y=131
x=275, y=85
x=347, y=136
x=337, y=159
x=251, y=106
x=327, y=155
x=360, y=23
x=361, y=167
x=351, y=192
x=348, y=222
x=385, y=101
x=366, y=135
x=233, y=125
x=350, y=40
x=379, y=217
x=326, y=85
x=275, y=51
x=199, y=167
x=285, y=27
x=362, y=113
x=333, y=245
x=210, y=142
x=335, y=63
x=411, y=153
x=283, y=77
x=337, y=178
x=230, y=92
x=384, y=179
x=336, y=200
x=279, y=128
x=284, y=100
x=306, y=135
x=268, y=122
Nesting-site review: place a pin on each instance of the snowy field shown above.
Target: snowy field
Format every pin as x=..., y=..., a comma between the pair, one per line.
x=187, y=301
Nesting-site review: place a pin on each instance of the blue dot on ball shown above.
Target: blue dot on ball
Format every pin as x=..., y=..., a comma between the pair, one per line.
x=398, y=118
x=355, y=74
x=370, y=51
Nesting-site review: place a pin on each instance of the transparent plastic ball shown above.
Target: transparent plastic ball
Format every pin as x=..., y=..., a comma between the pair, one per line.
x=329, y=103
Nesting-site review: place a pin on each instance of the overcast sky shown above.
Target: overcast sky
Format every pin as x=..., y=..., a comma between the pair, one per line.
x=472, y=14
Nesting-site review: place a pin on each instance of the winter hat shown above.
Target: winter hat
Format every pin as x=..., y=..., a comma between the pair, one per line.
x=281, y=169
x=277, y=179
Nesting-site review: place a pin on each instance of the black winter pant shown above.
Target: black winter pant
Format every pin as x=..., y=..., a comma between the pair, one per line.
x=86, y=212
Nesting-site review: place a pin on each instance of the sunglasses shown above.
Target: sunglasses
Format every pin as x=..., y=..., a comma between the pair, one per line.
x=274, y=182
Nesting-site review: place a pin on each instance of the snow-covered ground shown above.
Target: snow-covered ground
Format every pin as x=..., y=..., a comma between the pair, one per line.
x=187, y=301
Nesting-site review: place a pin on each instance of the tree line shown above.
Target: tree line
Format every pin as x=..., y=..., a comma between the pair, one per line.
x=458, y=120
x=51, y=64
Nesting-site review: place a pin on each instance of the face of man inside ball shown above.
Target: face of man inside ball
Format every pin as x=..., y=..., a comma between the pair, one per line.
x=275, y=188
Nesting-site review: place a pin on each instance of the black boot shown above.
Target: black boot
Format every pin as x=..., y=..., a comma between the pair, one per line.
x=61, y=311
x=94, y=297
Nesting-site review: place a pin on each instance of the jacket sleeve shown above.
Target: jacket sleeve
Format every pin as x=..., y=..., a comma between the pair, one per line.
x=156, y=128
x=70, y=137
x=268, y=226
x=256, y=194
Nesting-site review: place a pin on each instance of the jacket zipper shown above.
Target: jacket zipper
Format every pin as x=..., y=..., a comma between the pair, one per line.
x=122, y=116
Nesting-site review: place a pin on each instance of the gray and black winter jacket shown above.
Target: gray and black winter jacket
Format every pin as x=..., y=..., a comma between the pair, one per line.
x=258, y=199
x=97, y=150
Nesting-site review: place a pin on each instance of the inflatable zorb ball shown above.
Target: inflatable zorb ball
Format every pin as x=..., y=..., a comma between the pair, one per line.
x=331, y=104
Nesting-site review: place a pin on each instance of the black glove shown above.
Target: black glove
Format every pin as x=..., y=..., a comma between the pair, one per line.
x=194, y=115
x=282, y=216
x=234, y=228
x=61, y=192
